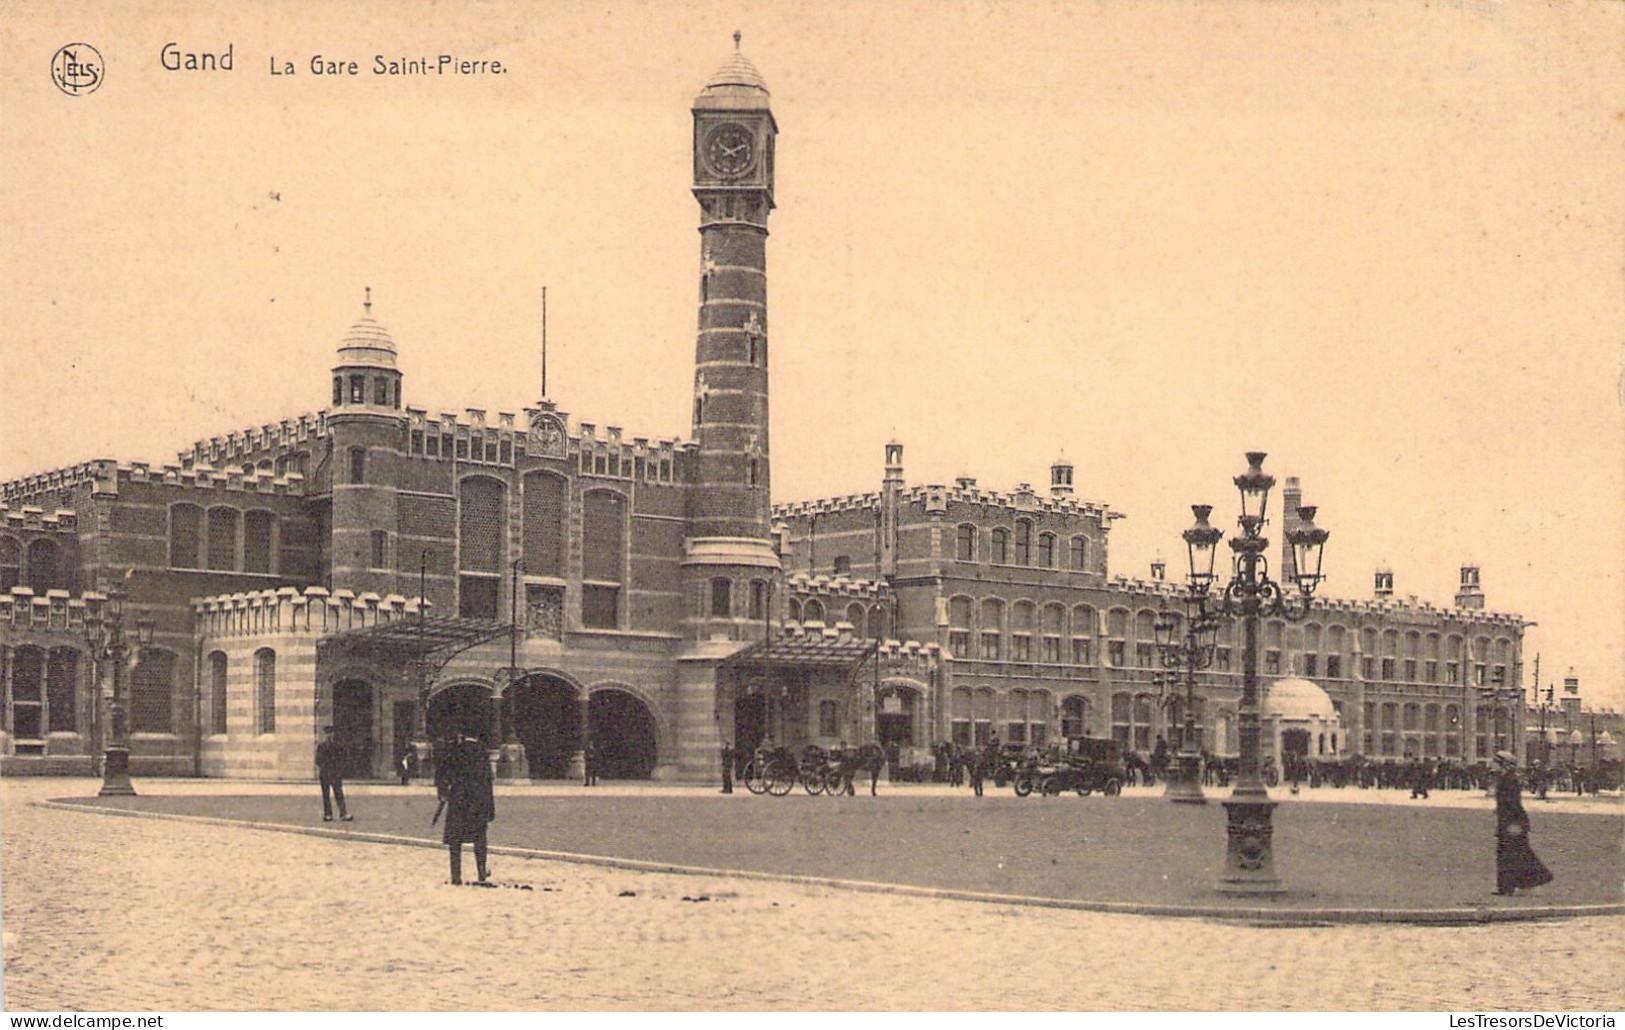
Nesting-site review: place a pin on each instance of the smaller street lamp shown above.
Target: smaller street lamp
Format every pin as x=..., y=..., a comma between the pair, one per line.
x=1185, y=645
x=110, y=645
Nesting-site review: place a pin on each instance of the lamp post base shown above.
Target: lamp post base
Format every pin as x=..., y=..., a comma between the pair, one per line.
x=116, y=773
x=1185, y=786
x=1249, y=859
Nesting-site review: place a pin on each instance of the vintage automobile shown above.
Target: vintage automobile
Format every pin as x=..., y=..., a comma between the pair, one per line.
x=1086, y=765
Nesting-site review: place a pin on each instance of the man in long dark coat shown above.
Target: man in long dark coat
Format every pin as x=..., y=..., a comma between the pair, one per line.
x=330, y=770
x=1515, y=862
x=727, y=767
x=462, y=778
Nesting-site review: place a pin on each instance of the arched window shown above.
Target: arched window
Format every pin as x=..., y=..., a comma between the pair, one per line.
x=603, y=552
x=481, y=533
x=259, y=541
x=959, y=617
x=965, y=543
x=999, y=547
x=758, y=599
x=1145, y=639
x=152, y=692
x=855, y=615
x=11, y=564
x=185, y=536
x=992, y=627
x=217, y=692
x=1117, y=638
x=877, y=623
x=380, y=391
x=1083, y=635
x=1143, y=707
x=265, y=689
x=1123, y=720
x=1046, y=550
x=1021, y=632
x=1054, y=627
x=543, y=500
x=1079, y=553
x=27, y=692
x=793, y=610
x=222, y=556
x=982, y=731
x=721, y=598
x=959, y=716
x=813, y=611
x=62, y=689
x=44, y=566
x=1024, y=542
x=1075, y=716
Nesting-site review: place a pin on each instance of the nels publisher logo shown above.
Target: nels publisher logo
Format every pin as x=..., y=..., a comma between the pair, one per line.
x=77, y=69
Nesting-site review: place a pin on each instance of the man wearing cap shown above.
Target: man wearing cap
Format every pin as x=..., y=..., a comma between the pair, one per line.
x=1516, y=864
x=330, y=770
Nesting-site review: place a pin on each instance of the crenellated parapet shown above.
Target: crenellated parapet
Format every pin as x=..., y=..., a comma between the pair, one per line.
x=38, y=520
x=476, y=438
x=1388, y=609
x=271, y=440
x=210, y=478
x=314, y=611
x=802, y=585
x=936, y=498
x=54, y=610
x=17, y=492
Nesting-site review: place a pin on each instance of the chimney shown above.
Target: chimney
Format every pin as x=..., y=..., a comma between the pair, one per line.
x=1383, y=585
x=1291, y=501
x=1469, y=594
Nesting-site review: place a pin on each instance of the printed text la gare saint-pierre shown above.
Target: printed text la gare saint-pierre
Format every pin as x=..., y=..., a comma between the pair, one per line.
x=176, y=58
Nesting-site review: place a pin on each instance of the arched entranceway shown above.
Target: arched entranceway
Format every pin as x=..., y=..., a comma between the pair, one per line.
x=750, y=722
x=894, y=721
x=464, y=708
x=544, y=714
x=352, y=725
x=624, y=732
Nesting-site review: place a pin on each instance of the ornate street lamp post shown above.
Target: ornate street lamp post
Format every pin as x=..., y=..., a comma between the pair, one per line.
x=1190, y=652
x=1249, y=596
x=110, y=646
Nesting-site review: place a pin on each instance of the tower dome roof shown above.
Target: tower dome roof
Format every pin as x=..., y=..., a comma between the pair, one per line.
x=1295, y=698
x=734, y=86
x=367, y=343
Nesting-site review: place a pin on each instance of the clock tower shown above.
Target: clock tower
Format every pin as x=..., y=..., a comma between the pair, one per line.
x=729, y=561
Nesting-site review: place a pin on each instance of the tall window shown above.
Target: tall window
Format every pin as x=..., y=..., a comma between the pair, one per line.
x=44, y=566
x=1021, y=632
x=1079, y=553
x=843, y=564
x=1054, y=623
x=62, y=689
x=813, y=611
x=602, y=552
x=222, y=539
x=1000, y=545
x=992, y=625
x=1046, y=550
x=721, y=598
x=27, y=692
x=217, y=692
x=259, y=528
x=265, y=688
x=1024, y=542
x=380, y=549
x=965, y=544
x=544, y=524
x=152, y=690
x=829, y=718
x=758, y=599
x=11, y=564
x=185, y=536
x=959, y=612
x=480, y=532
x=358, y=464
x=380, y=391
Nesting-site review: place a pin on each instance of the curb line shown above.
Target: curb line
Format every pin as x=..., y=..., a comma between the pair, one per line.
x=1415, y=916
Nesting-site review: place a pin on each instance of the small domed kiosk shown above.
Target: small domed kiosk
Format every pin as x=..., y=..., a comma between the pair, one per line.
x=1299, y=718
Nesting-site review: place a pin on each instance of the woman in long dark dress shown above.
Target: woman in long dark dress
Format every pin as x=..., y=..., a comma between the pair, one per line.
x=463, y=781
x=1516, y=864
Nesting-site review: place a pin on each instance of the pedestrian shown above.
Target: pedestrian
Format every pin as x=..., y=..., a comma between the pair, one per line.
x=973, y=768
x=404, y=766
x=589, y=762
x=1516, y=864
x=330, y=770
x=875, y=759
x=462, y=778
x=727, y=767
x=849, y=763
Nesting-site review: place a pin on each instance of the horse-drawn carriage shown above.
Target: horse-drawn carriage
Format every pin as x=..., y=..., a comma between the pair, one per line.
x=777, y=770
x=1086, y=765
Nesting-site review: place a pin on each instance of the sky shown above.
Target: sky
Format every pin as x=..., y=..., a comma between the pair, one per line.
x=1381, y=243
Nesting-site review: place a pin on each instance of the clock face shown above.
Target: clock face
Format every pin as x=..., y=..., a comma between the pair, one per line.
x=730, y=150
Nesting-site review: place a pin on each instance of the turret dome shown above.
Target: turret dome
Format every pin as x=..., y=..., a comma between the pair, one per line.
x=367, y=343
x=735, y=86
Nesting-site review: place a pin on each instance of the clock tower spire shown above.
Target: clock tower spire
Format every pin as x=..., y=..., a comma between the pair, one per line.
x=728, y=554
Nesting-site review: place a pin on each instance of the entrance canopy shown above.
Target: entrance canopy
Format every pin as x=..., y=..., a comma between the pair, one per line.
x=435, y=640
x=801, y=652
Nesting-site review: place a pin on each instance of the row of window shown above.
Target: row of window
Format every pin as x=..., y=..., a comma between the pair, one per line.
x=264, y=691
x=222, y=539
x=867, y=620
x=495, y=449
x=722, y=603
x=38, y=566
x=385, y=390
x=43, y=688
x=1005, y=547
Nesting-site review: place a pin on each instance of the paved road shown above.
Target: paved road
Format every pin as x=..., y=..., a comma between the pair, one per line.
x=104, y=912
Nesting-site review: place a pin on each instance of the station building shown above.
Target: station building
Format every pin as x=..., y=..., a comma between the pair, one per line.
x=547, y=581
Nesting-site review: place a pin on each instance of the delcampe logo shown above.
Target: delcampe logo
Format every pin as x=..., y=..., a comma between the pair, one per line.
x=77, y=69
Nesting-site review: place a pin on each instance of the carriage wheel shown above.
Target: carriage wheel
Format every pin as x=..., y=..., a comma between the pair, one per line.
x=755, y=780
x=1024, y=786
x=1114, y=787
x=780, y=780
x=834, y=784
x=1084, y=792
x=1051, y=787
x=813, y=780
